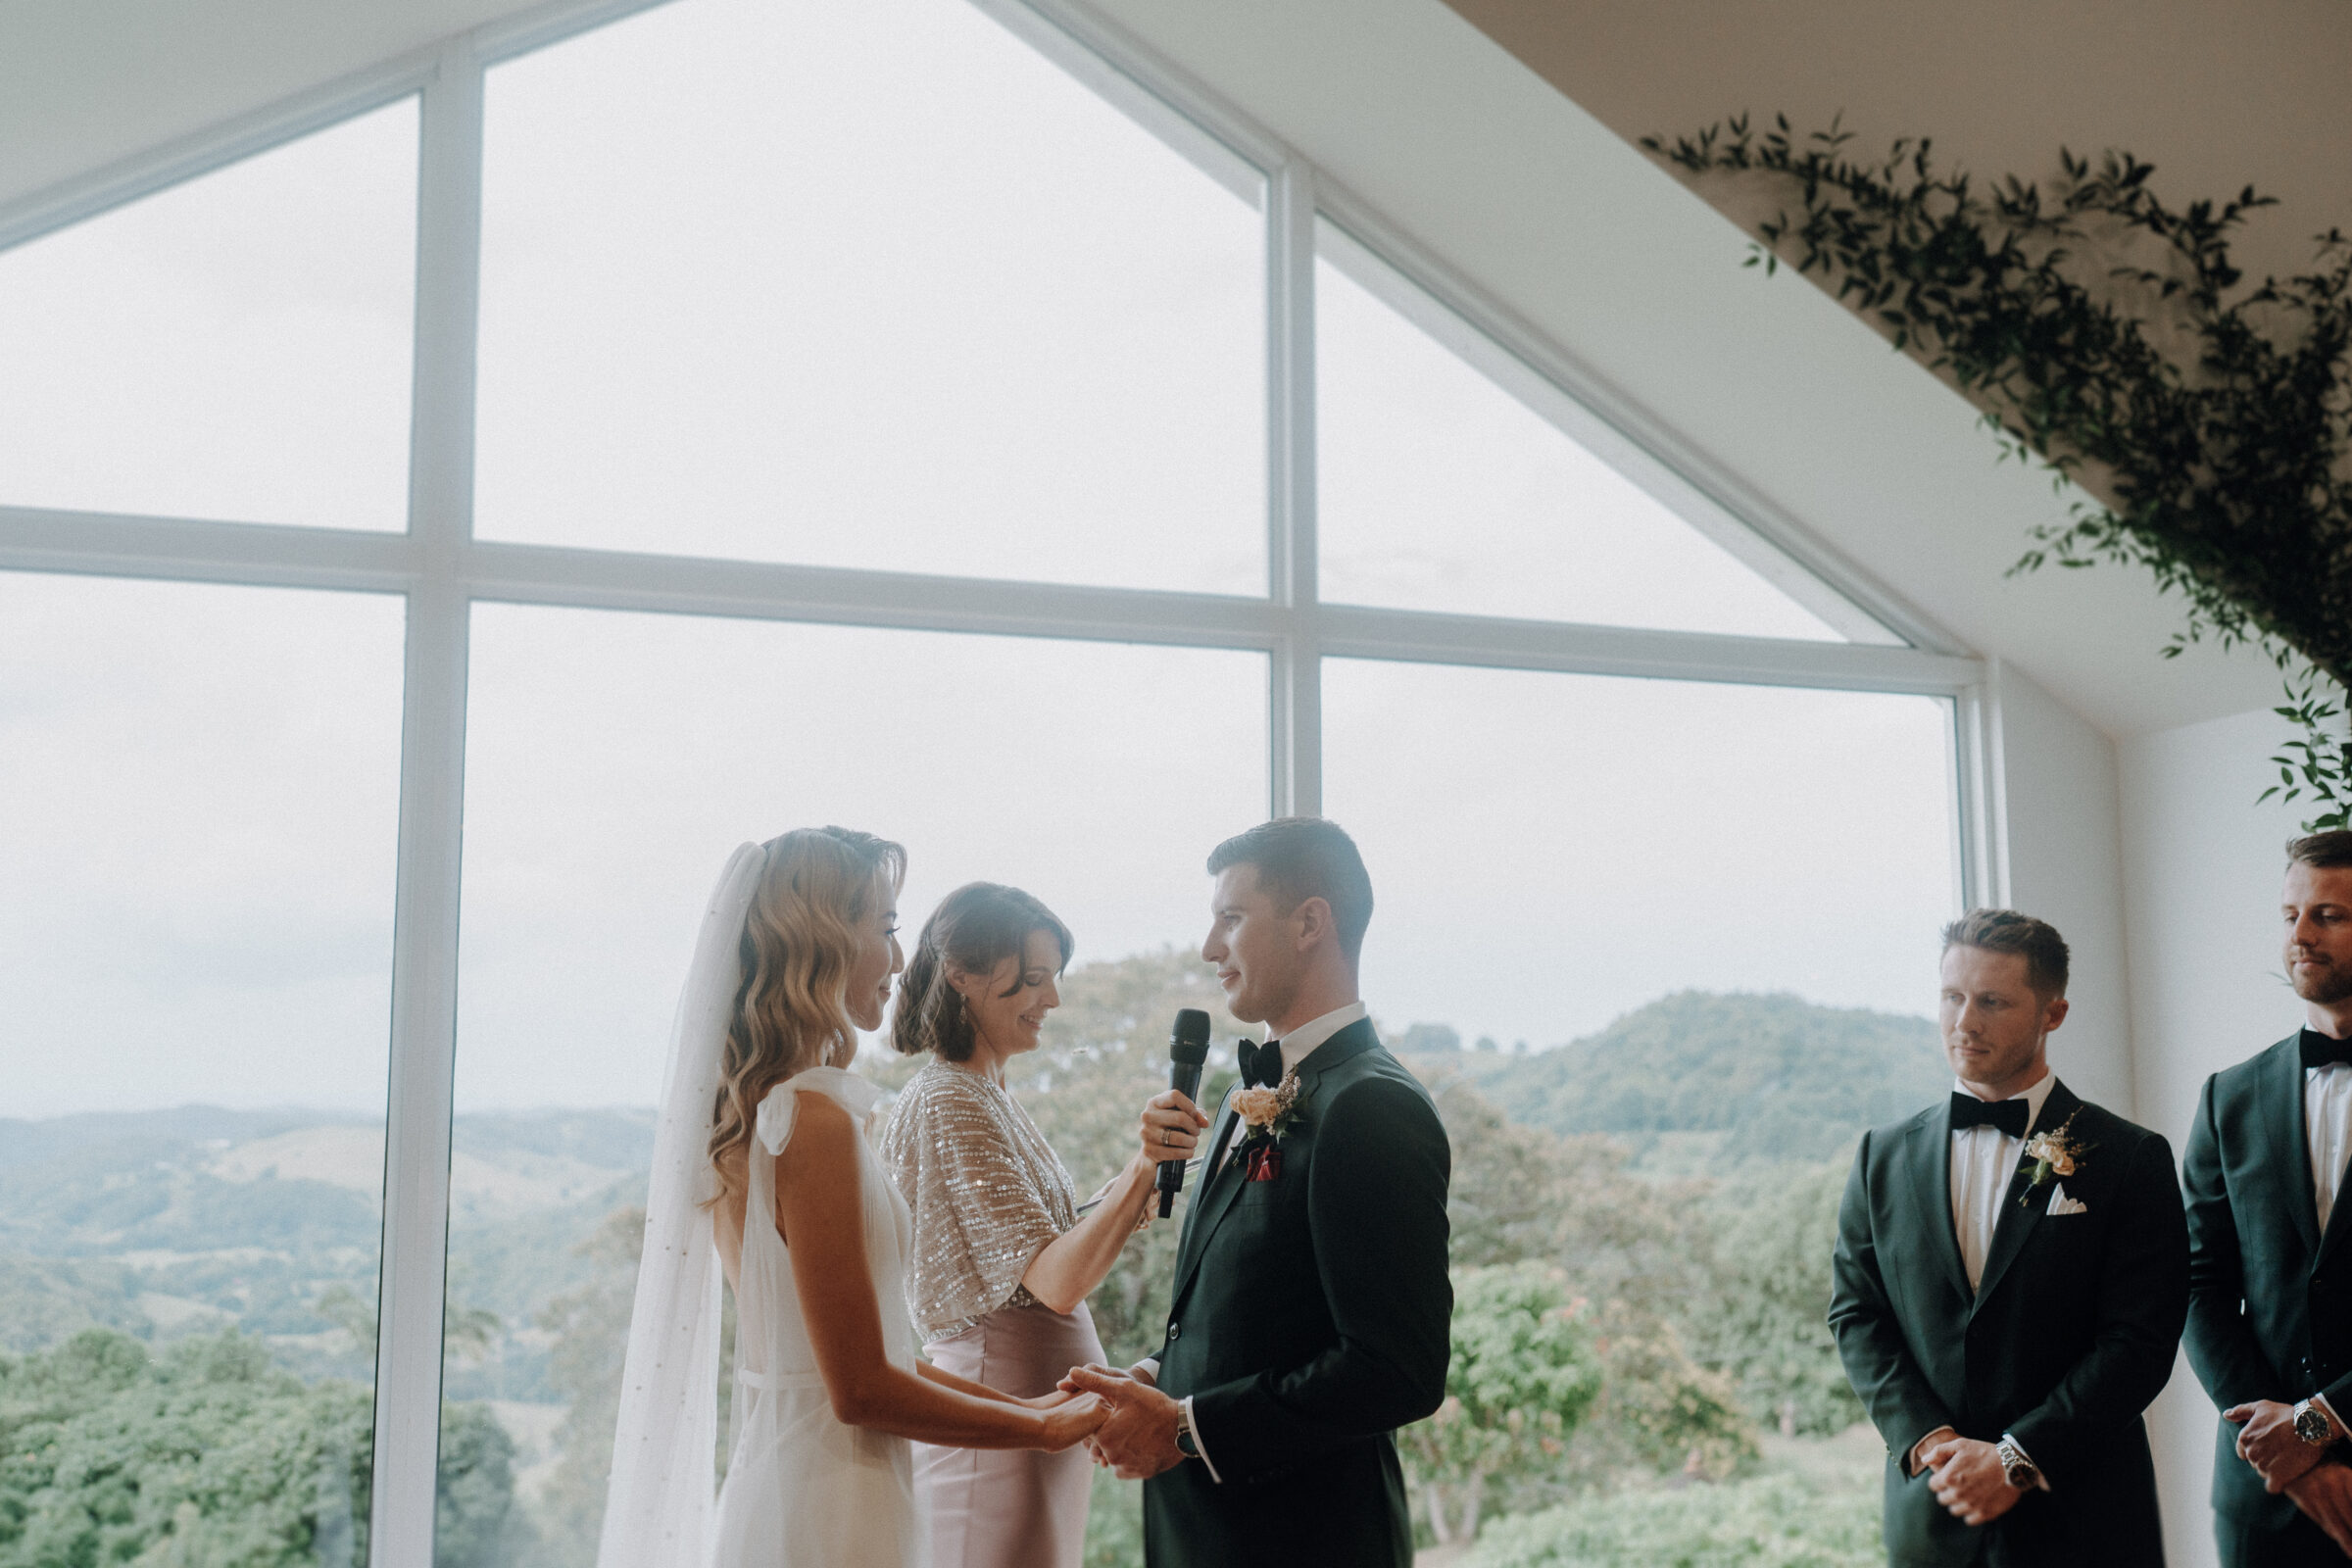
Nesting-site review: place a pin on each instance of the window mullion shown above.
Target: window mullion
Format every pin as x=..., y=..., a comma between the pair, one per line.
x=1296, y=704
x=425, y=957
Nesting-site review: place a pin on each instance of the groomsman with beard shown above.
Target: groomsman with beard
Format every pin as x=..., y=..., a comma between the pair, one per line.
x=2270, y=1328
x=2009, y=1284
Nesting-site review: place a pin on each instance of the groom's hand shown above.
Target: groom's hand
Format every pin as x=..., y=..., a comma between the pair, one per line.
x=1139, y=1441
x=2325, y=1495
x=1969, y=1480
x=2267, y=1440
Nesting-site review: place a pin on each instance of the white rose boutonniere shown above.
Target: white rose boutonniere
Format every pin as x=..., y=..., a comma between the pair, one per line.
x=2054, y=1153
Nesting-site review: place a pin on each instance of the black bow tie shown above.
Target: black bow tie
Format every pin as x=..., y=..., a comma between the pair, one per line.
x=2320, y=1050
x=2009, y=1115
x=1262, y=1065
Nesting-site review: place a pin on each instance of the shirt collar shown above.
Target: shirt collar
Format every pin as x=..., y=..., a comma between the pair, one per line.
x=1300, y=1042
x=2034, y=1097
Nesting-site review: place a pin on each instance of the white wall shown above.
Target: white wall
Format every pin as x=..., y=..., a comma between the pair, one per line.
x=2201, y=893
x=2063, y=862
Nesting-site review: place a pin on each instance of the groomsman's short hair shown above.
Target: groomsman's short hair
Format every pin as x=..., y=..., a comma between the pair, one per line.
x=2321, y=851
x=1301, y=858
x=2007, y=931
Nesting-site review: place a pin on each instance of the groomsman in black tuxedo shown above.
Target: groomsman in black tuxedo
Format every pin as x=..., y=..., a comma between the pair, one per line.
x=1310, y=1313
x=2009, y=1284
x=2270, y=1326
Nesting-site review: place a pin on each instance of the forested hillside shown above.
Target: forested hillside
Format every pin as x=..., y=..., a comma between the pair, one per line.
x=1706, y=1084
x=1659, y=1194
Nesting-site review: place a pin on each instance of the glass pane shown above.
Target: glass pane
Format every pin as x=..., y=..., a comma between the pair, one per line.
x=197, y=806
x=1679, y=954
x=863, y=285
x=236, y=347
x=612, y=763
x=1440, y=490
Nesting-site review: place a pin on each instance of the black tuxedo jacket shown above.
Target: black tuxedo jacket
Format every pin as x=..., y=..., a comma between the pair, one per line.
x=2269, y=1298
x=1309, y=1320
x=2068, y=1337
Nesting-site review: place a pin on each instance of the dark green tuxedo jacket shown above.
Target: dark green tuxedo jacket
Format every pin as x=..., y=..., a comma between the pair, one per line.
x=2269, y=1298
x=1309, y=1320
x=2068, y=1337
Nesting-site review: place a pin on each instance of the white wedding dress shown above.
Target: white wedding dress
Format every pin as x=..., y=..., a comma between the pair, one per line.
x=804, y=1491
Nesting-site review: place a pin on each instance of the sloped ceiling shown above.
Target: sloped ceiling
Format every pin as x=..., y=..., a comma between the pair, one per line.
x=1505, y=150
x=2217, y=97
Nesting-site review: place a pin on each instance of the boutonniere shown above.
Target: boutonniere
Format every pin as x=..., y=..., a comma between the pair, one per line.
x=1269, y=1113
x=2053, y=1153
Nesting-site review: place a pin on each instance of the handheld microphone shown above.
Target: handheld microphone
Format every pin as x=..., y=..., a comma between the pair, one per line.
x=1188, y=1050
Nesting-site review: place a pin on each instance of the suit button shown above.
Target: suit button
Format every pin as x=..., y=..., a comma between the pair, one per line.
x=1172, y=1328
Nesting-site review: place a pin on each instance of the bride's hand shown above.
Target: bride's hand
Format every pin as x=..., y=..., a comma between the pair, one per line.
x=1051, y=1401
x=1074, y=1421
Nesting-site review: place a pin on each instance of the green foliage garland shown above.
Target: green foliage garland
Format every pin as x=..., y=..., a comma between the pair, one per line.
x=2218, y=416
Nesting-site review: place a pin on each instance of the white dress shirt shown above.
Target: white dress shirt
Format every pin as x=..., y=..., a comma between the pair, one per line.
x=1984, y=1162
x=1296, y=1047
x=2326, y=1132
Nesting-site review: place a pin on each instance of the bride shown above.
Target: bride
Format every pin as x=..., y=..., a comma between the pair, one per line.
x=761, y=1171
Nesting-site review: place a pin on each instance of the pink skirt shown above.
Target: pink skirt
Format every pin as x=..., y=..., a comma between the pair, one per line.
x=1010, y=1508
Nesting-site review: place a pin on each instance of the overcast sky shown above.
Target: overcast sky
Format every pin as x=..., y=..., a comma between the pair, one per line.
x=856, y=286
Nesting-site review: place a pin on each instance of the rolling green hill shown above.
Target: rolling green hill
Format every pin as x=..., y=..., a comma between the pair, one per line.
x=1701, y=1083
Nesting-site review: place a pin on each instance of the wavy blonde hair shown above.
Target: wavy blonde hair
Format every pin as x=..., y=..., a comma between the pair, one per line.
x=800, y=939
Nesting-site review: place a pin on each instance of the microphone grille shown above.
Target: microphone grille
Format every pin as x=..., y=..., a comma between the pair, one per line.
x=1189, y=1040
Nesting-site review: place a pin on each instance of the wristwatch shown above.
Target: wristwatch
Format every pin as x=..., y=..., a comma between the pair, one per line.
x=1185, y=1442
x=2018, y=1470
x=2313, y=1426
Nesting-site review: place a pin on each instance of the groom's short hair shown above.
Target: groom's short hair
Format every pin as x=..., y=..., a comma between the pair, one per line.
x=2037, y=942
x=2321, y=852
x=1301, y=858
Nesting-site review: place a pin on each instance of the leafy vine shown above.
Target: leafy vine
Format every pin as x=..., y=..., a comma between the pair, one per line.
x=2111, y=337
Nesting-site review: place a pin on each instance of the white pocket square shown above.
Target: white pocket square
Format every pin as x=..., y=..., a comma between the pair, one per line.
x=2060, y=1203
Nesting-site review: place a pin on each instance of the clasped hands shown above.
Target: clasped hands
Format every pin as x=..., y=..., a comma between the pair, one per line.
x=1137, y=1437
x=2322, y=1488
x=1967, y=1476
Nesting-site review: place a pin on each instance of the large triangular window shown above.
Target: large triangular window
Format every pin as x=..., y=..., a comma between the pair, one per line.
x=1453, y=477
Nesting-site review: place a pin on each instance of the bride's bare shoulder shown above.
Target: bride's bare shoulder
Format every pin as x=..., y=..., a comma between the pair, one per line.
x=821, y=1127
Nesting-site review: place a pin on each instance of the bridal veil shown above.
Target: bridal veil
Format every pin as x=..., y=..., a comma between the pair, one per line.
x=659, y=1500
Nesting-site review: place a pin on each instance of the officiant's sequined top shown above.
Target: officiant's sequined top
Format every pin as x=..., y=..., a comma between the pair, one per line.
x=987, y=1190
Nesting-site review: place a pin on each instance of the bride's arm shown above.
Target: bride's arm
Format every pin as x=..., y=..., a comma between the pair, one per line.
x=821, y=1216
x=981, y=1391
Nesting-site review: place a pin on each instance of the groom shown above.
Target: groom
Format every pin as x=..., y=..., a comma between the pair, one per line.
x=2008, y=1287
x=1311, y=1308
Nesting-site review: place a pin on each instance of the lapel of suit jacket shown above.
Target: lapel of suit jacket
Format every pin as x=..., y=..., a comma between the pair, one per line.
x=2281, y=1084
x=1187, y=1243
x=2018, y=1215
x=1929, y=1162
x=1217, y=1198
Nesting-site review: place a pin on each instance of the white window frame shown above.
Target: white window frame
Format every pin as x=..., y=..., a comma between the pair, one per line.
x=441, y=570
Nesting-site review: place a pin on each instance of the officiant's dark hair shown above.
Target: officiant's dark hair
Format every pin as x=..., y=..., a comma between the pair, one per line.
x=1301, y=858
x=2321, y=852
x=2007, y=931
x=975, y=928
